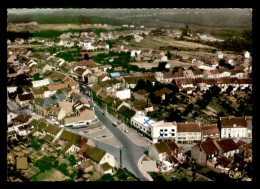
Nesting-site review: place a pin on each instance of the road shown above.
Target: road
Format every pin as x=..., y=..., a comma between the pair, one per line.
x=130, y=152
x=16, y=109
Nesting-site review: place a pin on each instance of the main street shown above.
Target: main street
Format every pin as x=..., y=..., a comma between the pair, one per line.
x=130, y=152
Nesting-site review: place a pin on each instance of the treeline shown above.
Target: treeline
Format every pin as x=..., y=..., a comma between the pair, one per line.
x=50, y=33
x=62, y=19
x=186, y=49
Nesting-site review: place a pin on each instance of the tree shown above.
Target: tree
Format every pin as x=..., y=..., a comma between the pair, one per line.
x=19, y=90
x=161, y=66
x=214, y=90
x=175, y=115
x=12, y=95
x=185, y=31
x=72, y=160
x=86, y=56
x=107, y=177
x=140, y=85
x=63, y=168
x=154, y=99
x=229, y=89
x=36, y=76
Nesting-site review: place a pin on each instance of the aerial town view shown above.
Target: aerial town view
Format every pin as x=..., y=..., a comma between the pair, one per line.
x=129, y=95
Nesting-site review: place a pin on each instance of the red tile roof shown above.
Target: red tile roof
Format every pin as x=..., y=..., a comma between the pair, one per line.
x=209, y=147
x=210, y=129
x=188, y=127
x=230, y=122
x=227, y=145
x=225, y=161
x=25, y=97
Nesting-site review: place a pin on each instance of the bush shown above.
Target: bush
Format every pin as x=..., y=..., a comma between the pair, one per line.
x=107, y=177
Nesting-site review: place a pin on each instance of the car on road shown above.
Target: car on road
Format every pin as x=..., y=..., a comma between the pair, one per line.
x=126, y=131
x=85, y=131
x=114, y=124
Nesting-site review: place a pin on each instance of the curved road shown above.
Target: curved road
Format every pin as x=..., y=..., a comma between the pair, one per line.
x=130, y=152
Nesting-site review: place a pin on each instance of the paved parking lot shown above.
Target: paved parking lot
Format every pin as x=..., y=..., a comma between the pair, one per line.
x=100, y=133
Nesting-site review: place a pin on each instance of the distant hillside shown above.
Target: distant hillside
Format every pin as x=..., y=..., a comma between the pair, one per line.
x=166, y=18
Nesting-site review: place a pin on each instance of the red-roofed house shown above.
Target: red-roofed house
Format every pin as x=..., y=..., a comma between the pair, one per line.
x=210, y=131
x=204, y=152
x=232, y=127
x=188, y=132
x=168, y=154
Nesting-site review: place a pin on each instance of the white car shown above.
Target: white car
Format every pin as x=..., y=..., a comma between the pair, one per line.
x=126, y=131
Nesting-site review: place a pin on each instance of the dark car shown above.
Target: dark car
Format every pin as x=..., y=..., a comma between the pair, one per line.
x=114, y=124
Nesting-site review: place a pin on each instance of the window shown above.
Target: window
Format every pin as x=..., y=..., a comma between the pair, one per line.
x=173, y=130
x=165, y=134
x=161, y=130
x=173, y=134
x=165, y=130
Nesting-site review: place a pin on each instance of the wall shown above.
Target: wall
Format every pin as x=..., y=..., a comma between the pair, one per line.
x=109, y=159
x=153, y=153
x=198, y=155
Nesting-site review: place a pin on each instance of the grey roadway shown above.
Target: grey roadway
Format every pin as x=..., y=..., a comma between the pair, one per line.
x=130, y=152
x=14, y=107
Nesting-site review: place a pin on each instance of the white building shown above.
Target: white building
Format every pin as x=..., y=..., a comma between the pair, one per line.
x=188, y=132
x=154, y=131
x=233, y=127
x=41, y=83
x=124, y=94
x=247, y=54
x=135, y=53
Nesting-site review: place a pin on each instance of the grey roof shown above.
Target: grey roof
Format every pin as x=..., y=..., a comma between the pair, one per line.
x=52, y=100
x=76, y=97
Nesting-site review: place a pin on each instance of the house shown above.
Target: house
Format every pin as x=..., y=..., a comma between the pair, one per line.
x=245, y=151
x=105, y=67
x=188, y=74
x=103, y=77
x=37, y=92
x=220, y=55
x=210, y=131
x=53, y=131
x=130, y=82
x=41, y=83
x=177, y=75
x=67, y=106
x=227, y=147
x=24, y=130
x=204, y=152
x=19, y=41
x=23, y=99
x=168, y=77
x=158, y=76
x=21, y=118
x=246, y=54
x=10, y=117
x=166, y=154
x=97, y=156
x=232, y=127
x=188, y=132
x=70, y=148
x=160, y=130
x=86, y=117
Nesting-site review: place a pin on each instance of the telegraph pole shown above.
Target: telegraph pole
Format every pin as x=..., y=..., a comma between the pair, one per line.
x=120, y=159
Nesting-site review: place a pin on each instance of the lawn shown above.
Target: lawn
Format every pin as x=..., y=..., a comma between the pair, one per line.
x=180, y=174
x=51, y=175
